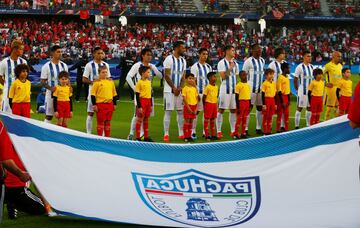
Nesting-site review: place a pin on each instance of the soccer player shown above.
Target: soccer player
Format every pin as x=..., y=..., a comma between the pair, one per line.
x=332, y=72
x=90, y=76
x=49, y=78
x=243, y=101
x=133, y=77
x=228, y=70
x=200, y=69
x=344, y=92
x=190, y=99
x=254, y=68
x=275, y=65
x=268, y=89
x=209, y=99
x=7, y=71
x=62, y=98
x=315, y=96
x=143, y=94
x=302, y=80
x=19, y=94
x=175, y=69
x=354, y=112
x=283, y=92
x=103, y=99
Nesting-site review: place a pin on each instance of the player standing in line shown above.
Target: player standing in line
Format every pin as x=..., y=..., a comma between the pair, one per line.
x=134, y=76
x=200, y=69
x=7, y=71
x=63, y=100
x=302, y=80
x=283, y=92
x=254, y=68
x=315, y=95
x=90, y=76
x=228, y=70
x=344, y=92
x=243, y=101
x=268, y=89
x=210, y=98
x=49, y=78
x=191, y=100
x=175, y=69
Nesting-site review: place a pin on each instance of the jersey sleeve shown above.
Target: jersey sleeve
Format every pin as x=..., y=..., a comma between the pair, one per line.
x=94, y=89
x=237, y=89
x=279, y=83
x=221, y=66
x=114, y=89
x=156, y=71
x=137, y=87
x=108, y=67
x=246, y=66
x=87, y=71
x=3, y=68
x=12, y=90
x=298, y=72
x=167, y=63
x=44, y=72
x=263, y=87
x=55, y=94
x=194, y=70
x=206, y=90
x=311, y=86
x=131, y=74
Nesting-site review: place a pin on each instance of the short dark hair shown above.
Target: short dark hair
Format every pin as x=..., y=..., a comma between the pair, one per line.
x=284, y=65
x=102, y=68
x=96, y=49
x=143, y=69
x=241, y=72
x=178, y=44
x=20, y=68
x=317, y=71
x=254, y=46
x=64, y=74
x=144, y=51
x=54, y=48
x=278, y=51
x=344, y=70
x=228, y=47
x=201, y=50
x=189, y=75
x=306, y=52
x=269, y=71
x=210, y=74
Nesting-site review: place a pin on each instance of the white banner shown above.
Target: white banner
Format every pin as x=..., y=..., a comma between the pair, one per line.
x=304, y=178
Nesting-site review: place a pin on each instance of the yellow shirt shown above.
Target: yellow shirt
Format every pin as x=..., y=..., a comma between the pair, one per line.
x=317, y=88
x=269, y=88
x=104, y=91
x=63, y=93
x=283, y=85
x=243, y=89
x=332, y=73
x=345, y=87
x=144, y=88
x=190, y=95
x=211, y=93
x=20, y=91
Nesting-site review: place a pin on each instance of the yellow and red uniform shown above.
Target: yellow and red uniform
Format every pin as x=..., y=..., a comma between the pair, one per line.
x=63, y=106
x=190, y=95
x=269, y=89
x=143, y=87
x=316, y=103
x=244, y=96
x=210, y=108
x=345, y=87
x=20, y=94
x=283, y=86
x=104, y=92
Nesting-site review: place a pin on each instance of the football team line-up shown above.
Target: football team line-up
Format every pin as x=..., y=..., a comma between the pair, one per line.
x=188, y=94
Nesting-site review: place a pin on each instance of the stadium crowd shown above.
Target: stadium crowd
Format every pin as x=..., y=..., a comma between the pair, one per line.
x=80, y=38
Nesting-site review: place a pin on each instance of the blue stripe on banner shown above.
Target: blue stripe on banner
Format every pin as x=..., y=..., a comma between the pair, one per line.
x=191, y=153
x=255, y=74
x=227, y=79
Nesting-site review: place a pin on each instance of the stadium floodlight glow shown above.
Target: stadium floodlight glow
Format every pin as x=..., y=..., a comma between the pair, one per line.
x=123, y=20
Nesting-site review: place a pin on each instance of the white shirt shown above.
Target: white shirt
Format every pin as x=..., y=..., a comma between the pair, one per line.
x=177, y=68
x=304, y=74
x=255, y=71
x=133, y=75
x=276, y=67
x=91, y=70
x=228, y=85
x=200, y=71
x=50, y=72
x=7, y=70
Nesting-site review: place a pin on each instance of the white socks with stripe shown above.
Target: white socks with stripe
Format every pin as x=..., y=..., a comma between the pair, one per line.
x=167, y=116
x=133, y=125
x=232, y=120
x=194, y=125
x=308, y=116
x=219, y=121
x=258, y=120
x=89, y=123
x=180, y=120
x=297, y=118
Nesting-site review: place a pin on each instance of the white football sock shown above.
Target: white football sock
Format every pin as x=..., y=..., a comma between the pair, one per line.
x=89, y=123
x=308, y=116
x=132, y=125
x=297, y=118
x=232, y=120
x=194, y=125
x=180, y=120
x=259, y=118
x=219, y=121
x=167, y=116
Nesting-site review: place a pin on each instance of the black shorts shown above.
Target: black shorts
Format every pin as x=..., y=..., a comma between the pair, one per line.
x=23, y=199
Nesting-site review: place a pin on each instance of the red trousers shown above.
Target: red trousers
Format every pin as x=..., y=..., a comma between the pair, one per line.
x=143, y=118
x=63, y=108
x=103, y=118
x=21, y=109
x=241, y=117
x=316, y=106
x=268, y=114
x=210, y=114
x=344, y=105
x=280, y=111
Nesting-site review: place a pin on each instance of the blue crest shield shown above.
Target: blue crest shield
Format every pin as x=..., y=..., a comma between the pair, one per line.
x=199, y=199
